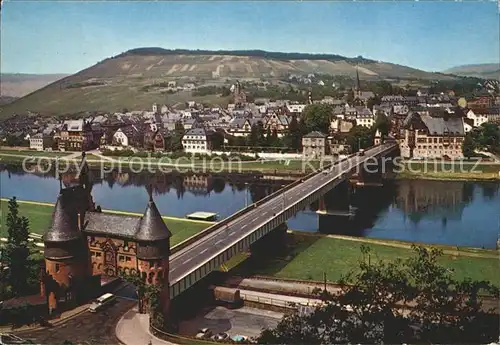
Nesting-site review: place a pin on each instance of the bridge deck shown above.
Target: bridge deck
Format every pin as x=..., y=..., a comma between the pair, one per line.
x=190, y=258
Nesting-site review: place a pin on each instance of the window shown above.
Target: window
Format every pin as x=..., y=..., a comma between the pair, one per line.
x=121, y=258
x=98, y=254
x=128, y=258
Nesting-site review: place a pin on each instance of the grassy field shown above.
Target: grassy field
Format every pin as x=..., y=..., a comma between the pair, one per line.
x=314, y=255
x=29, y=153
x=39, y=217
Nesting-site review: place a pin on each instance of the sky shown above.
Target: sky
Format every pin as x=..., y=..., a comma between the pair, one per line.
x=67, y=36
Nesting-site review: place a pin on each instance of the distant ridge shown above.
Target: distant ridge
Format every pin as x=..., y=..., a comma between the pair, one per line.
x=484, y=70
x=250, y=53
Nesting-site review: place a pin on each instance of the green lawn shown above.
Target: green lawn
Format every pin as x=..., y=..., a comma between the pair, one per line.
x=39, y=217
x=29, y=153
x=314, y=255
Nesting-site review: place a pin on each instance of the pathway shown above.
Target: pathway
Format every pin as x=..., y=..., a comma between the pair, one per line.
x=133, y=329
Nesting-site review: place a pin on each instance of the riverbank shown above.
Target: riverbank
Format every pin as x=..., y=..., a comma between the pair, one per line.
x=310, y=256
x=39, y=215
x=460, y=171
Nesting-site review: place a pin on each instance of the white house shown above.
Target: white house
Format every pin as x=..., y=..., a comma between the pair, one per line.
x=120, y=138
x=197, y=140
x=36, y=142
x=295, y=109
x=478, y=119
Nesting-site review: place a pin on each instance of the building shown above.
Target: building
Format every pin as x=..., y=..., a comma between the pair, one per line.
x=40, y=142
x=425, y=136
x=314, y=145
x=84, y=246
x=70, y=136
x=277, y=123
x=128, y=136
x=478, y=118
x=157, y=139
x=197, y=140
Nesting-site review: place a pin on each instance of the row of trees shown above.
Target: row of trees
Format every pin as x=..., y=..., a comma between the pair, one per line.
x=415, y=300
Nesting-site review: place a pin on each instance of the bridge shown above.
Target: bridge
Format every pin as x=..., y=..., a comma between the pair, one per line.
x=207, y=251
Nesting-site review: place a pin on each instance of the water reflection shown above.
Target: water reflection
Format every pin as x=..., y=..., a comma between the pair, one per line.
x=456, y=213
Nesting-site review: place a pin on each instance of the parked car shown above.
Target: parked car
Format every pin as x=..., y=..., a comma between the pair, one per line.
x=204, y=333
x=361, y=152
x=221, y=336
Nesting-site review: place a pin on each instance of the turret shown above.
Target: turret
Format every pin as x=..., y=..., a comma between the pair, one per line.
x=66, y=259
x=153, y=249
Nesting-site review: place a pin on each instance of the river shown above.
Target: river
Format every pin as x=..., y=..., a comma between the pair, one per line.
x=434, y=212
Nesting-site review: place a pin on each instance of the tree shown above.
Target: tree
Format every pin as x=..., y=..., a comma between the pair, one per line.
x=176, y=142
x=256, y=137
x=414, y=300
x=317, y=117
x=217, y=140
x=294, y=134
x=382, y=124
x=16, y=256
x=468, y=146
x=360, y=137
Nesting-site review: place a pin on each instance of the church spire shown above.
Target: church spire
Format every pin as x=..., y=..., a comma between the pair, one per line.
x=358, y=85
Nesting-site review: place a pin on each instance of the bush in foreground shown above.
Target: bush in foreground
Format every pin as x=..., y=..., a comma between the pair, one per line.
x=406, y=301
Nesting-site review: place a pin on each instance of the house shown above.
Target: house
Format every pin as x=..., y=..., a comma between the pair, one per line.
x=364, y=117
x=197, y=140
x=70, y=135
x=339, y=125
x=314, y=145
x=425, y=136
x=478, y=118
x=128, y=136
x=40, y=142
x=157, y=139
x=242, y=127
x=276, y=123
x=295, y=109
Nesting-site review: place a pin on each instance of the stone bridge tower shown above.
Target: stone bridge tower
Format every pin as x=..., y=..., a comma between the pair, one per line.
x=66, y=254
x=153, y=250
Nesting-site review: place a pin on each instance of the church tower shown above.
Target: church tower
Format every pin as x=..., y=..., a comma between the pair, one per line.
x=66, y=253
x=357, y=89
x=153, y=250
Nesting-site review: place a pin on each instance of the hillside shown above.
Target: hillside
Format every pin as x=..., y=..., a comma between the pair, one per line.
x=19, y=85
x=485, y=70
x=137, y=78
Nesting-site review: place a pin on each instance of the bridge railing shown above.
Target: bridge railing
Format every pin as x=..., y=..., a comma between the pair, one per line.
x=241, y=212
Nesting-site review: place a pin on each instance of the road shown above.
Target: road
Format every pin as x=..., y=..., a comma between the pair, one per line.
x=192, y=256
x=87, y=328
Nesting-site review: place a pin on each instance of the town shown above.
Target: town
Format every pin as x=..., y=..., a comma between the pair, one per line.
x=426, y=125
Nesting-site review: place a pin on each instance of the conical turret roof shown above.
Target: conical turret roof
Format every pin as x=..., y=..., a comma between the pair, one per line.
x=64, y=225
x=151, y=227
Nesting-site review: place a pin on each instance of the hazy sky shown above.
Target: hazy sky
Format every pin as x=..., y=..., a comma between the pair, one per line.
x=65, y=37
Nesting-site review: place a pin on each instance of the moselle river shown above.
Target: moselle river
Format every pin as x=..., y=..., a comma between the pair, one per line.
x=444, y=212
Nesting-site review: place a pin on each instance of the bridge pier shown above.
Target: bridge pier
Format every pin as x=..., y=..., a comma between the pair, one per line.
x=371, y=172
x=270, y=244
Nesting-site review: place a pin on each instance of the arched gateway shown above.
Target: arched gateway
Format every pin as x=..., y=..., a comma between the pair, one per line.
x=83, y=244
